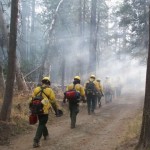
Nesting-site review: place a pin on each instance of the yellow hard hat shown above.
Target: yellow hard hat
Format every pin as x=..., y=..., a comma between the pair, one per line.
x=77, y=77
x=46, y=78
x=92, y=76
x=98, y=80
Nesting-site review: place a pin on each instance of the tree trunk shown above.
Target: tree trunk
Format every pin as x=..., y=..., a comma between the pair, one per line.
x=3, y=29
x=2, y=83
x=3, y=43
x=84, y=16
x=96, y=36
x=42, y=68
x=144, y=140
x=32, y=34
x=21, y=84
x=145, y=38
x=33, y=16
x=22, y=40
x=50, y=34
x=78, y=70
x=63, y=73
x=92, y=51
x=22, y=53
x=8, y=95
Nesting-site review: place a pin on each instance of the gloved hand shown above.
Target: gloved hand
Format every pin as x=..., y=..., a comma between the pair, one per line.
x=59, y=113
x=64, y=100
x=83, y=99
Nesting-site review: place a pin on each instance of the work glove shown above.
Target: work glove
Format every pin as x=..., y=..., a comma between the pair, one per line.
x=64, y=100
x=83, y=99
x=59, y=113
x=55, y=108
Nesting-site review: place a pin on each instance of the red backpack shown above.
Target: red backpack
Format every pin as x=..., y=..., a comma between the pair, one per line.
x=36, y=105
x=72, y=94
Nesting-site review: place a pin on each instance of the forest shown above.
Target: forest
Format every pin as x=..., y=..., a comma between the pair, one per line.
x=61, y=39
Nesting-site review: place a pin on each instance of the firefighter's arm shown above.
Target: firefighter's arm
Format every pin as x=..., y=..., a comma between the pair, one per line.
x=97, y=86
x=54, y=103
x=64, y=99
x=56, y=107
x=101, y=89
x=52, y=97
x=85, y=87
x=82, y=92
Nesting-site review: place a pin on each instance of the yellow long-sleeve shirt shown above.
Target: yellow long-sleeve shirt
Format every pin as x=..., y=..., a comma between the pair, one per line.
x=48, y=97
x=100, y=87
x=77, y=87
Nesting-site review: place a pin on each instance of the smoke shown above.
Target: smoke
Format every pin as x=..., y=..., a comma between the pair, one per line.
x=126, y=71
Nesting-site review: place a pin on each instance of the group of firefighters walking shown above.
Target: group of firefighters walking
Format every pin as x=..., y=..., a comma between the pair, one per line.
x=91, y=93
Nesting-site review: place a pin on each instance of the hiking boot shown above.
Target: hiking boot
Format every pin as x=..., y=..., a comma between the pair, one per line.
x=46, y=137
x=72, y=126
x=36, y=144
x=93, y=113
x=99, y=105
x=89, y=112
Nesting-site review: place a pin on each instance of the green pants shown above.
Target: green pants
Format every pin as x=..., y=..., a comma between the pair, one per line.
x=42, y=129
x=74, y=110
x=91, y=103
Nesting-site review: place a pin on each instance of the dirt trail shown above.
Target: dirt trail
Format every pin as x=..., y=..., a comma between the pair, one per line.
x=102, y=131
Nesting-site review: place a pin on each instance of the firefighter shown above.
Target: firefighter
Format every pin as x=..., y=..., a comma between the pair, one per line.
x=47, y=102
x=108, y=90
x=91, y=89
x=99, y=93
x=74, y=101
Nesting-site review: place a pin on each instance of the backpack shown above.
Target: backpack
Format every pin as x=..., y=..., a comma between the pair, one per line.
x=36, y=105
x=90, y=88
x=72, y=94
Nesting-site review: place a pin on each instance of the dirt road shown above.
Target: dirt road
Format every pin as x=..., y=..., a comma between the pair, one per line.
x=102, y=131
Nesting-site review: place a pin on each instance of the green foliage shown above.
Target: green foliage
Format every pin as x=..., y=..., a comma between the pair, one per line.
x=134, y=17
